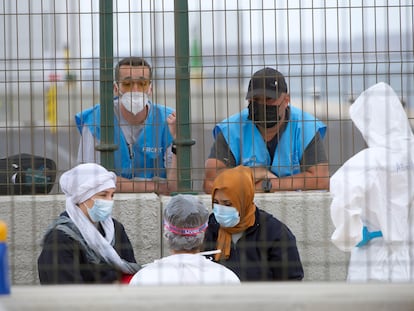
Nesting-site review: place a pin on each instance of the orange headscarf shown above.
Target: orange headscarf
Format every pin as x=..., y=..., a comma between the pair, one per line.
x=238, y=185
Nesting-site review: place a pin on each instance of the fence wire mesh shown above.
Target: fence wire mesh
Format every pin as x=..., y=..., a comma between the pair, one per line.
x=329, y=53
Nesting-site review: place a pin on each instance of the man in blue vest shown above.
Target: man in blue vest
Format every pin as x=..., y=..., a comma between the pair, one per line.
x=145, y=160
x=282, y=143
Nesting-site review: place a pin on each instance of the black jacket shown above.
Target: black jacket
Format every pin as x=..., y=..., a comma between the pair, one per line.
x=63, y=260
x=266, y=252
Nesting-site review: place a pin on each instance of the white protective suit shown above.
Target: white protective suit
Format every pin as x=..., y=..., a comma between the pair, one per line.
x=375, y=189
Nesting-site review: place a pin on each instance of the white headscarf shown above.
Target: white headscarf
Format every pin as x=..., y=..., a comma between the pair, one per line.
x=80, y=184
x=83, y=181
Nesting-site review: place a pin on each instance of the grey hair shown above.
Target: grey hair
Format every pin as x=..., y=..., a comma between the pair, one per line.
x=185, y=211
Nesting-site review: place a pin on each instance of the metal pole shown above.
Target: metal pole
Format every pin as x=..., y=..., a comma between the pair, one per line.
x=106, y=146
x=182, y=91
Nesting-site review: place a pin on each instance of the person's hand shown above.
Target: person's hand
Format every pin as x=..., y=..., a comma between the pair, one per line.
x=171, y=124
x=261, y=173
x=368, y=236
x=161, y=187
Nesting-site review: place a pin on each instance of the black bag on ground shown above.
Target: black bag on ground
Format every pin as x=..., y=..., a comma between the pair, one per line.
x=26, y=174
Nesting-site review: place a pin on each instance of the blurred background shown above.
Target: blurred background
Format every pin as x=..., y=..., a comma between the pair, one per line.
x=329, y=52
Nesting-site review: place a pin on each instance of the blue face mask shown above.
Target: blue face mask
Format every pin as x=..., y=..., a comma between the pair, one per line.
x=226, y=216
x=101, y=210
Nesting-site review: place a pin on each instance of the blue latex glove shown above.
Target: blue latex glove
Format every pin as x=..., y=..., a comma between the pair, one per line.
x=368, y=236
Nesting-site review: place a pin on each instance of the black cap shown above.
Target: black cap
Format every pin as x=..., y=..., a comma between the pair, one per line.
x=267, y=82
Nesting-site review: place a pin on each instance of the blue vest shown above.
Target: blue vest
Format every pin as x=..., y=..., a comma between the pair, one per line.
x=249, y=148
x=144, y=159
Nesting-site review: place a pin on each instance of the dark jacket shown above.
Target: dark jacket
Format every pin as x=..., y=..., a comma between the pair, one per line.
x=64, y=260
x=266, y=252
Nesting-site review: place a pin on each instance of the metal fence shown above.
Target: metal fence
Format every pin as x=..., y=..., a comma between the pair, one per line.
x=328, y=51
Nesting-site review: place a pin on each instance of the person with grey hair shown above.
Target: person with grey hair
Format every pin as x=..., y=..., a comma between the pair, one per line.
x=185, y=222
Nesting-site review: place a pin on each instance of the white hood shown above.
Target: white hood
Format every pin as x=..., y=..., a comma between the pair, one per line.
x=381, y=118
x=374, y=188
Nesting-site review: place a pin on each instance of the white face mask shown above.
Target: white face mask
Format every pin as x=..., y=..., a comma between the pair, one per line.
x=100, y=210
x=226, y=216
x=134, y=101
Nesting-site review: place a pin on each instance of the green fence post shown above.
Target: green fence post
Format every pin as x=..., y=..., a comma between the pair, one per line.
x=182, y=91
x=106, y=146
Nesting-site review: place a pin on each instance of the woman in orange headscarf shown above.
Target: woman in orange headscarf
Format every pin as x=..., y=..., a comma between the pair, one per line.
x=253, y=243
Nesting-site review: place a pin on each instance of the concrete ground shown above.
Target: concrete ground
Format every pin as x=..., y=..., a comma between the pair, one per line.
x=250, y=296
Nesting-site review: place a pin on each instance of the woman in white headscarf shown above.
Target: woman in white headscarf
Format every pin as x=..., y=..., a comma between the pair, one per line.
x=85, y=244
x=373, y=191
